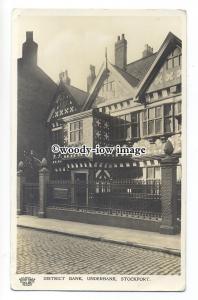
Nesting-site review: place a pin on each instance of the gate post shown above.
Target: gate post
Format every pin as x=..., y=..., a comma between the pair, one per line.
x=20, y=182
x=43, y=182
x=168, y=191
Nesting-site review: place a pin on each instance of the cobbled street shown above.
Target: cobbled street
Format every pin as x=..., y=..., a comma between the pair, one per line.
x=50, y=253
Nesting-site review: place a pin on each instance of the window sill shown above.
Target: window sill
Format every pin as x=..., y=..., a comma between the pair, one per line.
x=163, y=137
x=126, y=140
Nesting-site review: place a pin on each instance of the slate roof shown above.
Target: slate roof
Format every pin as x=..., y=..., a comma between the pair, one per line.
x=140, y=67
x=134, y=74
x=136, y=70
x=128, y=77
x=79, y=96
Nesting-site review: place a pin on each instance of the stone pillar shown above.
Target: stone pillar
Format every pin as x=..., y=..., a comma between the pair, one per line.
x=43, y=182
x=20, y=182
x=168, y=191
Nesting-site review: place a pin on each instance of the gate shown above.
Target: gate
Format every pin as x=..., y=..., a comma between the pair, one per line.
x=31, y=198
x=80, y=189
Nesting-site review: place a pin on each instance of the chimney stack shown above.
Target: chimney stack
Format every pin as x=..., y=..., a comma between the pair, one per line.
x=91, y=77
x=64, y=78
x=121, y=52
x=29, y=50
x=148, y=51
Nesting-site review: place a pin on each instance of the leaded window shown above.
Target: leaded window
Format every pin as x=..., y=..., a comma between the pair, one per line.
x=168, y=118
x=76, y=131
x=126, y=127
x=162, y=119
x=178, y=119
x=152, y=121
x=174, y=59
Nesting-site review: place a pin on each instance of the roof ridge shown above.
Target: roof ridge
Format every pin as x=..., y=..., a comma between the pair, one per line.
x=142, y=58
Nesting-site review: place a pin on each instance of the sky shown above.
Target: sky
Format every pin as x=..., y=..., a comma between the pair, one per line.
x=68, y=42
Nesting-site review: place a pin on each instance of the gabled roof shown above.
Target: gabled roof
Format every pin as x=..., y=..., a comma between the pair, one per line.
x=102, y=75
x=168, y=45
x=127, y=80
x=79, y=95
x=136, y=78
x=140, y=67
x=132, y=80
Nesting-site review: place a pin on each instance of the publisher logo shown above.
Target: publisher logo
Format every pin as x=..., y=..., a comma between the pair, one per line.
x=27, y=281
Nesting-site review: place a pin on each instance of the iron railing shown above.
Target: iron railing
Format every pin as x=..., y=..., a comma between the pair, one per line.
x=125, y=197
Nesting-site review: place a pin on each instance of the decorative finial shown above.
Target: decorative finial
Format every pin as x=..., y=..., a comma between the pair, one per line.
x=168, y=148
x=44, y=163
x=21, y=165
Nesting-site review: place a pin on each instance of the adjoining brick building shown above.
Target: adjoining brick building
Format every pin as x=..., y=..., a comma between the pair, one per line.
x=131, y=104
x=35, y=93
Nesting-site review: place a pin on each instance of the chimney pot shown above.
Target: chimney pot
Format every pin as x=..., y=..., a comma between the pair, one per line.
x=29, y=50
x=64, y=78
x=148, y=50
x=29, y=35
x=91, y=77
x=92, y=68
x=121, y=52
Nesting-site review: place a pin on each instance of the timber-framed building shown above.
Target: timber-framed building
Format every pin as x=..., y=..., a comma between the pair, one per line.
x=131, y=104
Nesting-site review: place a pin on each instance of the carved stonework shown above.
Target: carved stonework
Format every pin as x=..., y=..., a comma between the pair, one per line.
x=157, y=147
x=176, y=142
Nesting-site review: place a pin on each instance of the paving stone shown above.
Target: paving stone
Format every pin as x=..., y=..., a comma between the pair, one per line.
x=40, y=252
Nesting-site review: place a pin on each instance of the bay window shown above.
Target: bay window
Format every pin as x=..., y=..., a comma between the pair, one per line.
x=168, y=118
x=122, y=127
x=161, y=119
x=135, y=128
x=178, y=117
x=152, y=121
x=126, y=127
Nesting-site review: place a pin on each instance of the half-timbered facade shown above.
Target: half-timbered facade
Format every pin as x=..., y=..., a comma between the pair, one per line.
x=134, y=104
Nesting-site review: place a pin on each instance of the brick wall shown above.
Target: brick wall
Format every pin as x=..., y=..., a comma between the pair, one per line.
x=35, y=92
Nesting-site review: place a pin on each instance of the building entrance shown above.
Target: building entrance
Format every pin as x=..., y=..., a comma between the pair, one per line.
x=80, y=189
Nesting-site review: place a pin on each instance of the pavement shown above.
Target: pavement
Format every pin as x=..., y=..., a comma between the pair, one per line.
x=148, y=240
x=42, y=252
